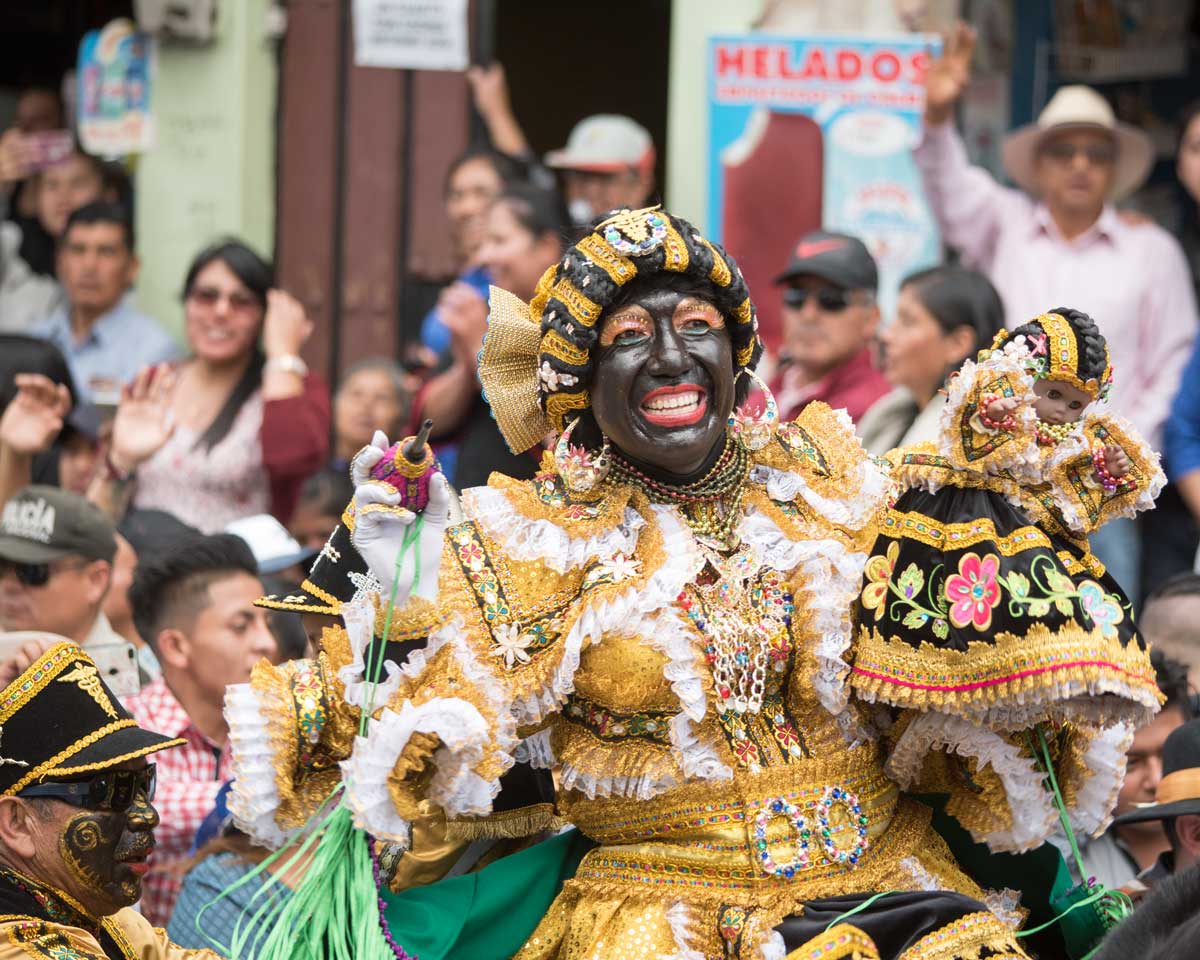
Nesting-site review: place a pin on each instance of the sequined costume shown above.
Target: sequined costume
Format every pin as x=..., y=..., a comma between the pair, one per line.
x=983, y=608
x=693, y=691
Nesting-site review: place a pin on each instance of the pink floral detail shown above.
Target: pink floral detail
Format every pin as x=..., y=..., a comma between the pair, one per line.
x=973, y=591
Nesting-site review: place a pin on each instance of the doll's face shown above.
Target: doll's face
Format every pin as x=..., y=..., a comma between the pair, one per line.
x=1058, y=401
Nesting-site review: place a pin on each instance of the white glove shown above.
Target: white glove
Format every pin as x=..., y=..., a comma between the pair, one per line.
x=381, y=526
x=367, y=457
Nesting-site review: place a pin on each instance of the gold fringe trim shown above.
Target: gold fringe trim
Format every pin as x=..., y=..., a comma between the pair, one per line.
x=966, y=939
x=1009, y=669
x=506, y=825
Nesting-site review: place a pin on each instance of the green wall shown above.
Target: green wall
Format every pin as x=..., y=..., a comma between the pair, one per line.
x=211, y=172
x=692, y=23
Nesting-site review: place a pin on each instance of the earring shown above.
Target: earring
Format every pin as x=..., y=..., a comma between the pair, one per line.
x=754, y=431
x=576, y=466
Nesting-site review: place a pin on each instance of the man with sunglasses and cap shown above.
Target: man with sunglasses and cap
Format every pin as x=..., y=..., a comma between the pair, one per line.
x=56, y=555
x=1176, y=805
x=76, y=817
x=829, y=319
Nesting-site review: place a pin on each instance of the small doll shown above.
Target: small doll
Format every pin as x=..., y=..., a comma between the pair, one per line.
x=983, y=562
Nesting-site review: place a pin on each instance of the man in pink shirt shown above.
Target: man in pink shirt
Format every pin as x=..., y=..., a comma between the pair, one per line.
x=1059, y=240
x=829, y=320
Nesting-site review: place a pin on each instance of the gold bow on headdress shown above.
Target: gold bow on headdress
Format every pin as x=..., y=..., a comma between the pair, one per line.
x=508, y=370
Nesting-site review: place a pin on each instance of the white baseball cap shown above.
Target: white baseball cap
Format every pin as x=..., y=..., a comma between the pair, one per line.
x=273, y=547
x=603, y=143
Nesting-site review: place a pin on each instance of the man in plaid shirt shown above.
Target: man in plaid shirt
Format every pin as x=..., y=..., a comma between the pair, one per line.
x=195, y=607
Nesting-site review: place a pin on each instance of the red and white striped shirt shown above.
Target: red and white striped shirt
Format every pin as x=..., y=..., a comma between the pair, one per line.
x=189, y=777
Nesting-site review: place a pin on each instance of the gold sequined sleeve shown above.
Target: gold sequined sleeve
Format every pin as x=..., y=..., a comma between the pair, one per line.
x=147, y=942
x=288, y=729
x=501, y=659
x=965, y=436
x=1081, y=494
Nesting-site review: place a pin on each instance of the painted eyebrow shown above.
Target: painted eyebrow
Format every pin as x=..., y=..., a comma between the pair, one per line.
x=628, y=318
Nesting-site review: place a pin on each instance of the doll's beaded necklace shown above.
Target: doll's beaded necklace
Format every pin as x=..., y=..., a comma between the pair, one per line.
x=712, y=505
x=1052, y=434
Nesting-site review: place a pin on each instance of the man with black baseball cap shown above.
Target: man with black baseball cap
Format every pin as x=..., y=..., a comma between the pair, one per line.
x=56, y=553
x=76, y=817
x=829, y=319
x=1176, y=805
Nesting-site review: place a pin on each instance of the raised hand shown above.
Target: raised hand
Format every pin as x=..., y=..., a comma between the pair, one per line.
x=489, y=89
x=286, y=326
x=465, y=314
x=35, y=416
x=144, y=422
x=14, y=157
x=948, y=75
x=998, y=410
x=380, y=528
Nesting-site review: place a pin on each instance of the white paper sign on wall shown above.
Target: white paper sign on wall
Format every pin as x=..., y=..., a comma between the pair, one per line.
x=411, y=34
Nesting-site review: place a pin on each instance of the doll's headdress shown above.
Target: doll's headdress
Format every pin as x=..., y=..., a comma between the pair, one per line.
x=1063, y=344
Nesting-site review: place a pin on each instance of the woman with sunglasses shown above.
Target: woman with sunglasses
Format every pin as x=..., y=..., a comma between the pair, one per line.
x=235, y=429
x=943, y=315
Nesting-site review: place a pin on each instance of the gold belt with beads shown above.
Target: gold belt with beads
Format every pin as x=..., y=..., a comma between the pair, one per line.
x=813, y=821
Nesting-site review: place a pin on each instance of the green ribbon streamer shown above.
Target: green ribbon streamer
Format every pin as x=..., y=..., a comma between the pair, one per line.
x=333, y=913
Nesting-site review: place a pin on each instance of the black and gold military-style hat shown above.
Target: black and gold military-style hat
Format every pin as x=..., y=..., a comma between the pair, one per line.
x=338, y=575
x=59, y=720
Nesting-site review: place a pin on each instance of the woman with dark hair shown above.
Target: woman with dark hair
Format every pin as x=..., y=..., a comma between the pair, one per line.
x=473, y=181
x=943, y=315
x=524, y=233
x=235, y=429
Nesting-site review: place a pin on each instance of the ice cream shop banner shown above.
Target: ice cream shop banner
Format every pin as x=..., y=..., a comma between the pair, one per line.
x=817, y=131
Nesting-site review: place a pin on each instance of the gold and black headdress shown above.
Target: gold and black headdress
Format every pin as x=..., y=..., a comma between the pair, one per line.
x=537, y=362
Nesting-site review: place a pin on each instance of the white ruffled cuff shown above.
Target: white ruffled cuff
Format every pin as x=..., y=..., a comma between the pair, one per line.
x=1104, y=763
x=254, y=799
x=1031, y=807
x=527, y=539
x=359, y=617
x=464, y=737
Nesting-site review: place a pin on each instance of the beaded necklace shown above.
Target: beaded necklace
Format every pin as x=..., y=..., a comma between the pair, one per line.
x=712, y=505
x=1052, y=434
x=745, y=616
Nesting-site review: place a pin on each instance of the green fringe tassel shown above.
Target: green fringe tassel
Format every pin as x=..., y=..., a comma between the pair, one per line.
x=334, y=912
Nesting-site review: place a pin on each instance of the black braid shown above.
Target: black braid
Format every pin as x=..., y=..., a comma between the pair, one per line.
x=1090, y=342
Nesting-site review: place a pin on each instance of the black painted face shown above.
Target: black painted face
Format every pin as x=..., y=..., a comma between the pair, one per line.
x=663, y=386
x=107, y=854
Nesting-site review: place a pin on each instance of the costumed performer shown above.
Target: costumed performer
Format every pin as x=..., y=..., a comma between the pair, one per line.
x=664, y=614
x=76, y=818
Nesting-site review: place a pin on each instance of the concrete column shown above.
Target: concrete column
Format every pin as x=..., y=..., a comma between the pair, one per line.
x=212, y=172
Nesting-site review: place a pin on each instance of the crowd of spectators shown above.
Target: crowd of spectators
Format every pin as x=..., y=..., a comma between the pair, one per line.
x=153, y=489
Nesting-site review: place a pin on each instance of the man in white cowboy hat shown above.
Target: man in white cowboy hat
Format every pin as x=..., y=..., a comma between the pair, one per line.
x=1059, y=239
